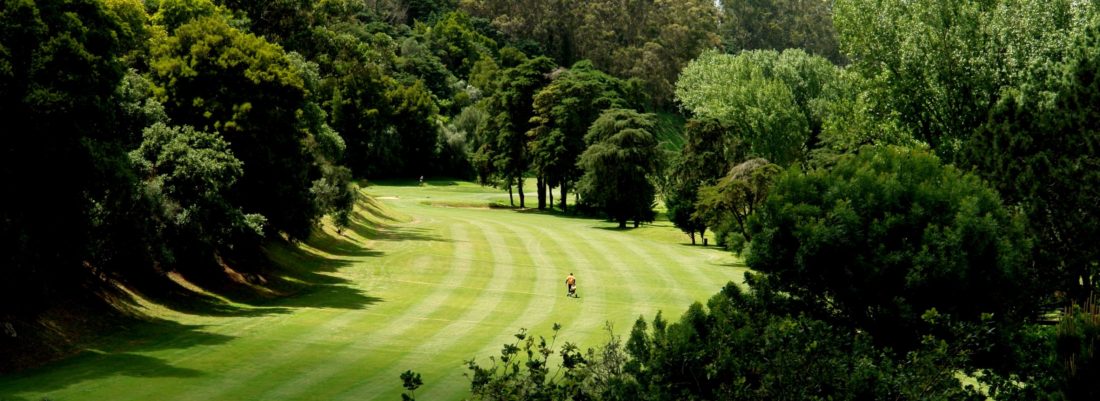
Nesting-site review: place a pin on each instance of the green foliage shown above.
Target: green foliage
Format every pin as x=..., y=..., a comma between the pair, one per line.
x=458, y=44
x=706, y=156
x=511, y=115
x=171, y=14
x=564, y=110
x=619, y=165
x=261, y=117
x=888, y=234
x=937, y=67
x=727, y=204
x=427, y=10
x=1078, y=337
x=649, y=41
x=188, y=175
x=411, y=381
x=58, y=72
x=773, y=102
x=1039, y=149
x=741, y=346
x=418, y=61
x=780, y=25
x=134, y=33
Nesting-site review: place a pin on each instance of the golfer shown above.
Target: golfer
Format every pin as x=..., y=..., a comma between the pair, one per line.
x=571, y=285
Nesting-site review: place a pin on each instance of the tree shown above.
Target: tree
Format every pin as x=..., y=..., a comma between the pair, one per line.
x=58, y=72
x=458, y=44
x=737, y=195
x=779, y=25
x=618, y=165
x=564, y=110
x=171, y=14
x=889, y=234
x=188, y=174
x=217, y=78
x=707, y=154
x=1038, y=149
x=741, y=346
x=414, y=118
x=511, y=111
x=935, y=68
x=773, y=102
x=645, y=40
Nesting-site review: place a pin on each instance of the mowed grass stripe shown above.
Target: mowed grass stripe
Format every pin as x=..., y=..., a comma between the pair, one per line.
x=362, y=365
x=322, y=372
x=446, y=345
x=443, y=345
x=540, y=303
x=583, y=318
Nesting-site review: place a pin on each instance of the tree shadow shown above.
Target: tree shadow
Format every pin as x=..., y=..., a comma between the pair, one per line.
x=327, y=296
x=167, y=293
x=92, y=365
x=116, y=355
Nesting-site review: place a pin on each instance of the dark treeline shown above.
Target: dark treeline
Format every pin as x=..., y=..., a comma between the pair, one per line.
x=914, y=183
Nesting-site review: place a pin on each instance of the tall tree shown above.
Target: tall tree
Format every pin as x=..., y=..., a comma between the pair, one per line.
x=564, y=111
x=646, y=40
x=1040, y=150
x=58, y=72
x=774, y=102
x=935, y=68
x=708, y=153
x=619, y=165
x=217, y=78
x=511, y=110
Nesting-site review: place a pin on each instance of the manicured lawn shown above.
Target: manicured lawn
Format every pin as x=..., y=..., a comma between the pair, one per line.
x=427, y=278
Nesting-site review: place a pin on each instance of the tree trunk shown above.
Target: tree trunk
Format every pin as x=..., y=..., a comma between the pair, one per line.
x=622, y=223
x=564, y=197
x=636, y=223
x=550, y=197
x=541, y=192
x=519, y=185
x=511, y=200
x=692, y=234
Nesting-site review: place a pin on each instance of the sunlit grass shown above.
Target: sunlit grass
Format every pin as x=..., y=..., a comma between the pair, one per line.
x=426, y=277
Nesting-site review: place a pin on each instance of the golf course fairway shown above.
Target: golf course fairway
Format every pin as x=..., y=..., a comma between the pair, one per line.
x=426, y=278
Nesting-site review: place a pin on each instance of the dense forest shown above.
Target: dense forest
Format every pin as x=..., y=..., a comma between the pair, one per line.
x=915, y=183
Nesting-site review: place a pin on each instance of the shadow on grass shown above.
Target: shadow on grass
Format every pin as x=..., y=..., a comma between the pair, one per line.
x=92, y=365
x=163, y=291
x=116, y=355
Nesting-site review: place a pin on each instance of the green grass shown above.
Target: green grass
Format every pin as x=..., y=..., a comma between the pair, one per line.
x=428, y=278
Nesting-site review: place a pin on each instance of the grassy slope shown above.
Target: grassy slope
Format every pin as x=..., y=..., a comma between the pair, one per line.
x=412, y=286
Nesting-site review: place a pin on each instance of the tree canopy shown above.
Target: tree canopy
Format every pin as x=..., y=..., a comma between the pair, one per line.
x=619, y=165
x=887, y=235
